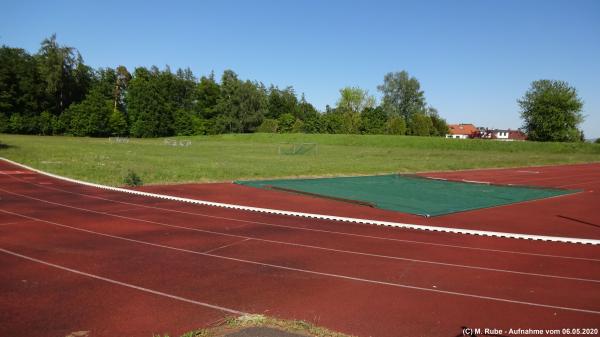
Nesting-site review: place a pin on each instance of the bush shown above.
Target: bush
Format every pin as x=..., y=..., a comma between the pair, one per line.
x=286, y=123
x=200, y=125
x=268, y=126
x=332, y=122
x=395, y=126
x=184, y=123
x=3, y=123
x=117, y=123
x=313, y=124
x=16, y=123
x=420, y=125
x=298, y=126
x=373, y=121
x=132, y=179
x=46, y=123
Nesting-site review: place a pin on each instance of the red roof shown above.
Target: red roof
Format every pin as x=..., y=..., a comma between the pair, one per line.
x=462, y=129
x=516, y=135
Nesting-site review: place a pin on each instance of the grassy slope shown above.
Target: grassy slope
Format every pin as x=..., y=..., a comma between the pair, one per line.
x=247, y=156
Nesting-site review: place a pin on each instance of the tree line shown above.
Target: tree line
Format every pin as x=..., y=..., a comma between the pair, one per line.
x=53, y=92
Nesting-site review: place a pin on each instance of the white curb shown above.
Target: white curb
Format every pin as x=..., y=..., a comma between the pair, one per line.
x=322, y=216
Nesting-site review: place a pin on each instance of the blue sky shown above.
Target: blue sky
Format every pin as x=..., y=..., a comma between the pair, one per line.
x=473, y=58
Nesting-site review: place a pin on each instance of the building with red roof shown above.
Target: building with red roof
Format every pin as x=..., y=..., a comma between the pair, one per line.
x=461, y=131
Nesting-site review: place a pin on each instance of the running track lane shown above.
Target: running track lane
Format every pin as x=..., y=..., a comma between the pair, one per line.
x=572, y=215
x=364, y=307
x=241, y=217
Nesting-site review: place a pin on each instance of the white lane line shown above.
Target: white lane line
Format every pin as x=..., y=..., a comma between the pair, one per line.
x=319, y=230
x=324, y=216
x=452, y=265
x=476, y=182
x=128, y=285
x=581, y=183
x=307, y=271
x=562, y=177
x=225, y=246
x=12, y=223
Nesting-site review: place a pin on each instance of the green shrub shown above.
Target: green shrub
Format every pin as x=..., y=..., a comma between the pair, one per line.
x=286, y=123
x=132, y=179
x=268, y=126
x=395, y=126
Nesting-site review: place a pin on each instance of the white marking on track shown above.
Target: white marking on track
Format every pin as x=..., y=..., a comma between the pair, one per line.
x=476, y=182
x=229, y=245
x=315, y=230
x=324, y=216
x=13, y=222
x=297, y=244
x=307, y=271
x=128, y=285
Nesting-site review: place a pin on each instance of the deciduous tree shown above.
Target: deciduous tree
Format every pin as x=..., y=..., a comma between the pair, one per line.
x=402, y=95
x=551, y=111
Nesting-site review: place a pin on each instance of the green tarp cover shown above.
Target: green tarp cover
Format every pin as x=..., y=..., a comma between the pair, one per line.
x=411, y=194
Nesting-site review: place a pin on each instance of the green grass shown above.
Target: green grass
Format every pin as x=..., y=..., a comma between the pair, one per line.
x=251, y=156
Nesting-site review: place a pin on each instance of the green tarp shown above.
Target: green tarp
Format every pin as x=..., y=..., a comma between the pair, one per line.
x=411, y=194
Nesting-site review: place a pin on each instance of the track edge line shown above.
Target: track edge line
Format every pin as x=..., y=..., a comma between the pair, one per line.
x=319, y=216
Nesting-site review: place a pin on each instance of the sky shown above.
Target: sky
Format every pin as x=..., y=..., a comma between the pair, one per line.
x=474, y=59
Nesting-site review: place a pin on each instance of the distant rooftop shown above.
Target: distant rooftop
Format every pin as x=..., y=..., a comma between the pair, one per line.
x=462, y=129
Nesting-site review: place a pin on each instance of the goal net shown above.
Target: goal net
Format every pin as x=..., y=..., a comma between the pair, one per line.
x=298, y=149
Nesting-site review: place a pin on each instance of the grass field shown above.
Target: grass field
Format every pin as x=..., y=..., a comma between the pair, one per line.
x=251, y=156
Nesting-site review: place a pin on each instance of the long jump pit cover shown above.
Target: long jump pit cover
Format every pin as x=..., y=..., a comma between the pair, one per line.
x=411, y=194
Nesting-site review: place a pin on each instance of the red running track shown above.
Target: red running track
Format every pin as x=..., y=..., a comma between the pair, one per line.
x=76, y=258
x=574, y=215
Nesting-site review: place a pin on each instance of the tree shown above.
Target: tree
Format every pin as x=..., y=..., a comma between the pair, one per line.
x=46, y=123
x=298, y=126
x=16, y=123
x=306, y=110
x=332, y=122
x=91, y=116
x=439, y=125
x=183, y=123
x=122, y=79
x=352, y=102
x=3, y=123
x=420, y=124
x=268, y=125
x=313, y=124
x=373, y=121
x=118, y=123
x=551, y=111
x=149, y=113
x=242, y=104
x=395, y=126
x=21, y=89
x=402, y=95
x=62, y=70
x=160, y=103
x=285, y=123
x=355, y=100
x=207, y=95
x=282, y=102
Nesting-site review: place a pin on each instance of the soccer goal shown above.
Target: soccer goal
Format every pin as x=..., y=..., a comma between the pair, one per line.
x=298, y=149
